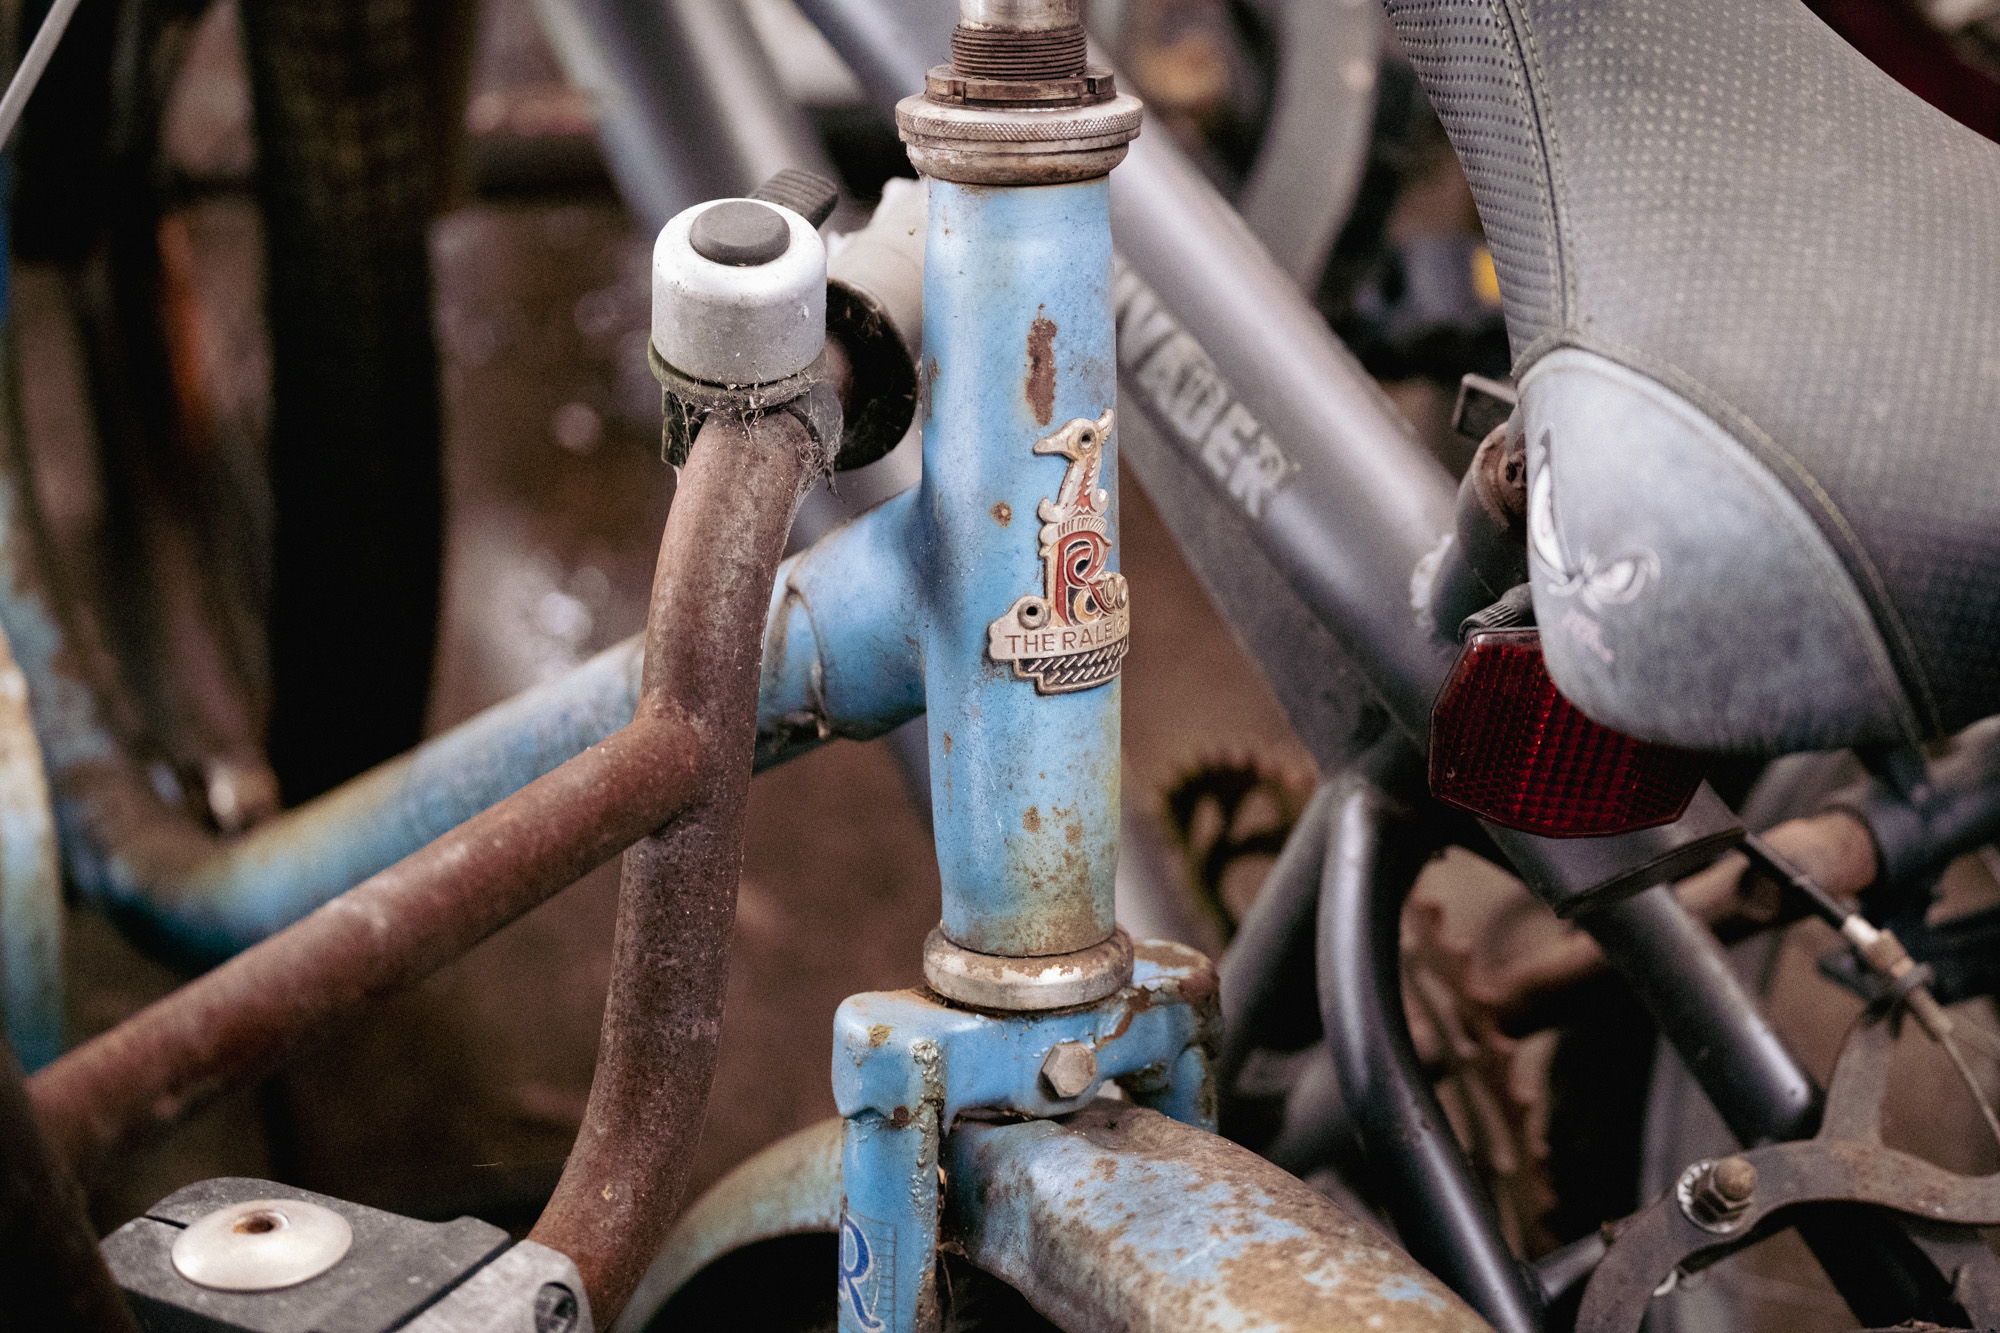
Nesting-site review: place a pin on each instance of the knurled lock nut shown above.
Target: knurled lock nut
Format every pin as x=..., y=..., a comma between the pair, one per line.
x=990, y=145
x=1069, y=1069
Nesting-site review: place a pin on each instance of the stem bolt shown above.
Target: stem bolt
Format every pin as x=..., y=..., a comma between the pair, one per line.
x=1714, y=1195
x=1069, y=1069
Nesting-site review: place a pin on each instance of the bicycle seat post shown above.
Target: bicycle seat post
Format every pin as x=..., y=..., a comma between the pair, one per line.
x=1036, y=997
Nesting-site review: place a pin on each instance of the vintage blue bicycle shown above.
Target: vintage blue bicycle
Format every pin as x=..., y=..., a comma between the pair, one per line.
x=1723, y=424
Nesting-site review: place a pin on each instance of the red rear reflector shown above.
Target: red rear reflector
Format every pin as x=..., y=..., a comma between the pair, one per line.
x=1508, y=747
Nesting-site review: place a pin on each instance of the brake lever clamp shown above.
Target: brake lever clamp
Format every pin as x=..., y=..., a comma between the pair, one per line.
x=687, y=402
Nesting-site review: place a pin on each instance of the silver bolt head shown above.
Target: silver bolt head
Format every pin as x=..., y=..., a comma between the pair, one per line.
x=1069, y=1069
x=262, y=1245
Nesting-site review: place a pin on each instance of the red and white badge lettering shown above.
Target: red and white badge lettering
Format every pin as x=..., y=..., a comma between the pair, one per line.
x=1074, y=635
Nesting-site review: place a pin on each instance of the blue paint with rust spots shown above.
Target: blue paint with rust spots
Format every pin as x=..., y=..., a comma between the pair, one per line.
x=888, y=615
x=906, y=1064
x=994, y=1060
x=1111, y=1218
x=1025, y=793
x=843, y=645
x=1403, y=1287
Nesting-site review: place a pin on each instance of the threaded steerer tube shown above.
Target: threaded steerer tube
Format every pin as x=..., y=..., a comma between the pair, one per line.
x=1018, y=56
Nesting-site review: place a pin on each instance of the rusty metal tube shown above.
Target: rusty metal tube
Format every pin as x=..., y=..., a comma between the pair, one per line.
x=50, y=1266
x=387, y=933
x=1090, y=1217
x=621, y=1188
x=1117, y=1217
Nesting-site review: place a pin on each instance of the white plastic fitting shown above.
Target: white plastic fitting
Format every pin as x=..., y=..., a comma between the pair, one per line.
x=738, y=323
x=883, y=263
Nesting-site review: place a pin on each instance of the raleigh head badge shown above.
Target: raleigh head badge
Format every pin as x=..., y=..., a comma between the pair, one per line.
x=1074, y=636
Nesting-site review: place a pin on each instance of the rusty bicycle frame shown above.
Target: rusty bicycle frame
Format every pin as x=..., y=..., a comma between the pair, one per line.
x=1305, y=516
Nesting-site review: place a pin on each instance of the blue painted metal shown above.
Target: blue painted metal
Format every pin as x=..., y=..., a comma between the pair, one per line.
x=1107, y=1218
x=209, y=899
x=1147, y=1036
x=890, y=612
x=31, y=905
x=842, y=648
x=1024, y=786
x=1113, y=1218
x=1090, y=1215
x=906, y=1064
x=31, y=989
x=206, y=898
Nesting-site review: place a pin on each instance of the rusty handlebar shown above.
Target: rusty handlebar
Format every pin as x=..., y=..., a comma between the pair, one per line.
x=670, y=786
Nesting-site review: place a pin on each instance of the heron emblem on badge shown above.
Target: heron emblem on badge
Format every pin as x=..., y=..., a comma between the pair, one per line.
x=1073, y=634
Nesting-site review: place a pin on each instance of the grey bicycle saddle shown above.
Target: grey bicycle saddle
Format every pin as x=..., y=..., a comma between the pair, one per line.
x=1753, y=291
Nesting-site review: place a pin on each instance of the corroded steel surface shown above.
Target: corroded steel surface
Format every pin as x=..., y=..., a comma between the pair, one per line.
x=402, y=924
x=236, y=1021
x=621, y=1188
x=907, y=1064
x=1846, y=1162
x=1117, y=1217
x=1107, y=1219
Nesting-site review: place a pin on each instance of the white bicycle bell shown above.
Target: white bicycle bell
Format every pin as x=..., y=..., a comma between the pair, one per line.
x=739, y=292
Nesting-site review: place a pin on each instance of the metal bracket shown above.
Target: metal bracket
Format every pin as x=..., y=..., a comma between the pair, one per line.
x=906, y=1065
x=1845, y=1163
x=386, y=1272
x=686, y=403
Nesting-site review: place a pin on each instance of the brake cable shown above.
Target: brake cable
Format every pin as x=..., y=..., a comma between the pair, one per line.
x=22, y=85
x=1908, y=981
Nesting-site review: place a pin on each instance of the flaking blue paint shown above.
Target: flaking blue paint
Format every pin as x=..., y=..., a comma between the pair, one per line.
x=906, y=1064
x=1024, y=786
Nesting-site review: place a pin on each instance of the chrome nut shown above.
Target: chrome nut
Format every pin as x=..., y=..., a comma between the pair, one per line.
x=1069, y=1069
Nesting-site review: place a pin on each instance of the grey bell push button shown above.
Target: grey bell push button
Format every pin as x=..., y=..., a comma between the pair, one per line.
x=740, y=232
